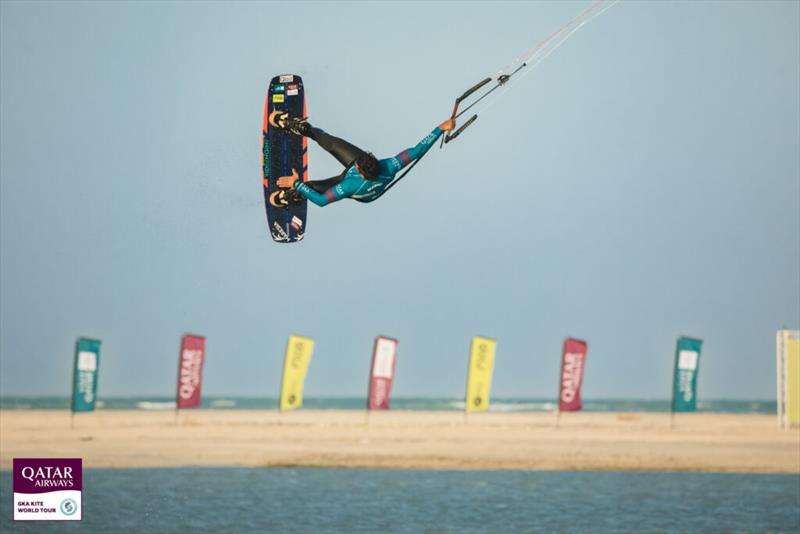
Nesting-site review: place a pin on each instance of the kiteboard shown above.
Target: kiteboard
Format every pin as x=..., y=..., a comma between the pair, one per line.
x=284, y=152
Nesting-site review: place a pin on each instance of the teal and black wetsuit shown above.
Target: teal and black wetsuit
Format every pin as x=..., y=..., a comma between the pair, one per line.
x=350, y=183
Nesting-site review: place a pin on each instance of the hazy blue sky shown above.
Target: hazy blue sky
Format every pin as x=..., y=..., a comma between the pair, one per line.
x=643, y=182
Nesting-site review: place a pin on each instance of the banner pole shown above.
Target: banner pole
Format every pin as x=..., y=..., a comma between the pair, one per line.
x=674, y=387
x=560, y=385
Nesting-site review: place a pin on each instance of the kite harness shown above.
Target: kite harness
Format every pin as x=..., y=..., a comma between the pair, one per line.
x=531, y=58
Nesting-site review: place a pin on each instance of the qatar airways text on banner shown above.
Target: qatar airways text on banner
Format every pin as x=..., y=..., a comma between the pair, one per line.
x=687, y=364
x=384, y=360
x=47, y=489
x=190, y=371
x=573, y=362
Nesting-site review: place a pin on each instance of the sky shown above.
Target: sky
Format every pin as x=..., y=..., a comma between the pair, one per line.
x=641, y=183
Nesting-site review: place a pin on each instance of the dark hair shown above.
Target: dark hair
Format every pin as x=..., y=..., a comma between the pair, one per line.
x=368, y=165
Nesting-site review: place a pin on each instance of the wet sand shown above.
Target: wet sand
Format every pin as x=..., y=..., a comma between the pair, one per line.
x=405, y=440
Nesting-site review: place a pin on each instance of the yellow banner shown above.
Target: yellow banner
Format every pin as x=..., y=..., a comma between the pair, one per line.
x=479, y=376
x=793, y=379
x=295, y=365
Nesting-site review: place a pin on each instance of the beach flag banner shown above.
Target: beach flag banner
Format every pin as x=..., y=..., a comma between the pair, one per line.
x=479, y=375
x=788, y=342
x=190, y=371
x=381, y=376
x=84, y=376
x=295, y=365
x=573, y=362
x=687, y=364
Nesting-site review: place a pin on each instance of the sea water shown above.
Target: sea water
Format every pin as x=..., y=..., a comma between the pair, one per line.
x=413, y=403
x=244, y=500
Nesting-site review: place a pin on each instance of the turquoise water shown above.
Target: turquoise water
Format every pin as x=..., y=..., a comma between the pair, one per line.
x=337, y=500
x=352, y=403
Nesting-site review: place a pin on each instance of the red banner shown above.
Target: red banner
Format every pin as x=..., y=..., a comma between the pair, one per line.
x=190, y=371
x=573, y=360
x=384, y=360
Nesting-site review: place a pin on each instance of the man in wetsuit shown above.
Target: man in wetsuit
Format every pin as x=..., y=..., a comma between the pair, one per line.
x=364, y=178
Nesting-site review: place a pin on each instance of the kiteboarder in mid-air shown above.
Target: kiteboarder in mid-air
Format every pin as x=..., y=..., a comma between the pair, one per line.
x=365, y=178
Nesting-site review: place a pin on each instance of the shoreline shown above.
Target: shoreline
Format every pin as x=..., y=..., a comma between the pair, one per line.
x=583, y=441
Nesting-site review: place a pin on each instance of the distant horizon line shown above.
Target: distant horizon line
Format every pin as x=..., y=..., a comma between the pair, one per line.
x=398, y=397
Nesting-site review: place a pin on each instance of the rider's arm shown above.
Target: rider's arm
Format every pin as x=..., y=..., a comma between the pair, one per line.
x=337, y=192
x=410, y=154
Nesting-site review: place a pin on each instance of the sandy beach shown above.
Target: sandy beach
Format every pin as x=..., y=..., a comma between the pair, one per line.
x=405, y=439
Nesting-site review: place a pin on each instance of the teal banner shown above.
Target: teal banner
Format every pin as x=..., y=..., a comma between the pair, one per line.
x=84, y=378
x=687, y=364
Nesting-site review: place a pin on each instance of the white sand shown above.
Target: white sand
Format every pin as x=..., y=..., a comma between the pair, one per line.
x=398, y=439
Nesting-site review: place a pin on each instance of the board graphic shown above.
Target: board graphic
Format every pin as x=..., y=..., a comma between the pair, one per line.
x=282, y=153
